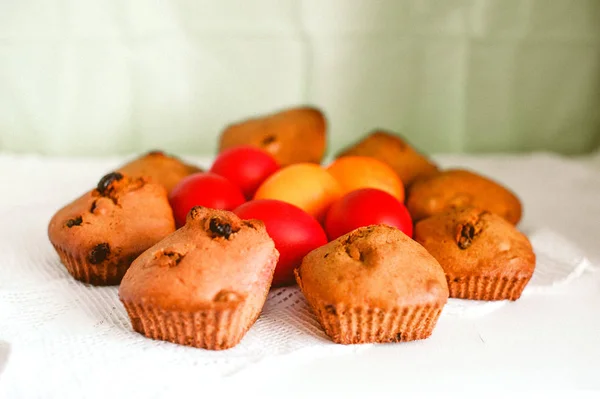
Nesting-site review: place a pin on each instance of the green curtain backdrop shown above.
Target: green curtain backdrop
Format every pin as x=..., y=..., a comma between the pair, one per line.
x=94, y=77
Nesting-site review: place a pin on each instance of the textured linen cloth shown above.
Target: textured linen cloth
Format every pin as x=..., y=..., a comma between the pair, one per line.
x=52, y=326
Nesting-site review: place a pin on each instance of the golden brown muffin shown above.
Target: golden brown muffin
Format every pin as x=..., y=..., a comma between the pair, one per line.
x=458, y=188
x=203, y=285
x=373, y=284
x=484, y=256
x=98, y=235
x=291, y=136
x=393, y=150
x=160, y=168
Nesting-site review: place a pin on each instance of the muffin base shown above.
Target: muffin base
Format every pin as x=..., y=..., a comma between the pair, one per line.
x=105, y=273
x=214, y=329
x=359, y=325
x=485, y=288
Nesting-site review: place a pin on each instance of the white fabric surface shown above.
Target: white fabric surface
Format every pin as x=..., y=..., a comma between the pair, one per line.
x=54, y=326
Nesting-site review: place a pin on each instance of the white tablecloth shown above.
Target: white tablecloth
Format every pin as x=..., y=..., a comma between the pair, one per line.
x=548, y=340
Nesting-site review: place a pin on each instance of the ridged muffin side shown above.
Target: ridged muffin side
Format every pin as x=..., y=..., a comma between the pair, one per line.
x=373, y=285
x=205, y=284
x=98, y=235
x=483, y=256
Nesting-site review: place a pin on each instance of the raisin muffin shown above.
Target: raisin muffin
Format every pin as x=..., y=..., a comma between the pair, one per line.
x=98, y=235
x=373, y=284
x=290, y=136
x=456, y=188
x=203, y=285
x=483, y=256
x=160, y=168
x=390, y=148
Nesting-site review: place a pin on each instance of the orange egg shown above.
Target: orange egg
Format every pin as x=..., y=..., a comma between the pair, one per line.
x=356, y=172
x=306, y=185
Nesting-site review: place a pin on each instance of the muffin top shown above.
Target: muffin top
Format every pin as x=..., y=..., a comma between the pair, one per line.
x=121, y=215
x=456, y=188
x=375, y=266
x=407, y=162
x=291, y=136
x=214, y=259
x=471, y=241
x=159, y=168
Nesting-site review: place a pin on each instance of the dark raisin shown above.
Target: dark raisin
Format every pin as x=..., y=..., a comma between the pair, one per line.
x=220, y=229
x=93, y=207
x=99, y=253
x=174, y=257
x=107, y=180
x=399, y=337
x=268, y=140
x=326, y=255
x=74, y=222
x=156, y=153
x=331, y=309
x=467, y=233
x=196, y=212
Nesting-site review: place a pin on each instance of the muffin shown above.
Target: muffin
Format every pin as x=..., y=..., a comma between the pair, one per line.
x=98, y=235
x=291, y=136
x=373, y=284
x=458, y=188
x=159, y=168
x=203, y=285
x=483, y=256
x=393, y=150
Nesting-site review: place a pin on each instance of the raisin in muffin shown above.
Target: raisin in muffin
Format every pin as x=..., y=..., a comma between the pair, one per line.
x=456, y=188
x=373, y=284
x=98, y=235
x=390, y=148
x=291, y=136
x=205, y=284
x=160, y=168
x=483, y=256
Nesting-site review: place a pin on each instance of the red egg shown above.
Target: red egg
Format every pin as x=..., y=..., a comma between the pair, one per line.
x=366, y=207
x=204, y=189
x=246, y=167
x=294, y=232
